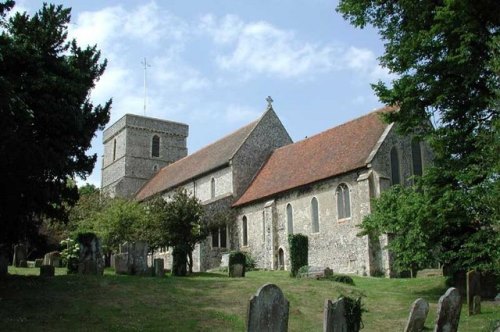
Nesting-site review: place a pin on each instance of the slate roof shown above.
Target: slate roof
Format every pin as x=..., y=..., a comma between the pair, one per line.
x=203, y=161
x=330, y=153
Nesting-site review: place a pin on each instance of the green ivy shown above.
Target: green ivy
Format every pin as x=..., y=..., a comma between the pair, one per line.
x=299, y=251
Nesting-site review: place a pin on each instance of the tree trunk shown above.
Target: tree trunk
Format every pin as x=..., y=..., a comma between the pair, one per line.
x=190, y=261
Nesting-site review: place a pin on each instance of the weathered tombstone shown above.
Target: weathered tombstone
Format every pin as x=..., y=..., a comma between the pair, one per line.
x=31, y=264
x=138, y=257
x=418, y=315
x=47, y=271
x=38, y=262
x=316, y=272
x=334, y=319
x=4, y=265
x=448, y=311
x=52, y=258
x=237, y=270
x=268, y=310
x=473, y=289
x=224, y=262
x=159, y=270
x=476, y=305
x=19, y=255
x=121, y=263
x=90, y=261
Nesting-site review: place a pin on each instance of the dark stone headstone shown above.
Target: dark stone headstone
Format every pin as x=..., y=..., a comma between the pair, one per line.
x=418, y=315
x=38, y=262
x=473, y=289
x=90, y=261
x=268, y=310
x=4, y=265
x=237, y=270
x=476, y=305
x=19, y=255
x=47, y=271
x=448, y=311
x=52, y=258
x=334, y=319
x=159, y=270
x=121, y=263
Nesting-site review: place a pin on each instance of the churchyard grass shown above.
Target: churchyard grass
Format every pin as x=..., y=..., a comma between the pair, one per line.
x=204, y=302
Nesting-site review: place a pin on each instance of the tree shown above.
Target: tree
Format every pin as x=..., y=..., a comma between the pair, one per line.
x=182, y=224
x=447, y=57
x=48, y=120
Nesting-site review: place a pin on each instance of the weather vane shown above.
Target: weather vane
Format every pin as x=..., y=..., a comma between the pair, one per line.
x=146, y=65
x=269, y=102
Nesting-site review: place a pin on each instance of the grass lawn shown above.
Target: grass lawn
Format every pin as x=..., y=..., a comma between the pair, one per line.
x=204, y=302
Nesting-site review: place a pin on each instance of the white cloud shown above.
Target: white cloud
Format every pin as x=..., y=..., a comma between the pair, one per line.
x=366, y=63
x=240, y=114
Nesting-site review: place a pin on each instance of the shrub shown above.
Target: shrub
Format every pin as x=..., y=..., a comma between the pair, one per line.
x=353, y=313
x=299, y=247
x=341, y=278
x=302, y=270
x=250, y=262
x=70, y=255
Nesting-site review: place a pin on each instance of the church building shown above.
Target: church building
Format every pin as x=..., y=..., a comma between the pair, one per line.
x=321, y=186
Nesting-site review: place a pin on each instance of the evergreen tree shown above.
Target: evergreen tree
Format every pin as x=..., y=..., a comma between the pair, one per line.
x=47, y=119
x=446, y=55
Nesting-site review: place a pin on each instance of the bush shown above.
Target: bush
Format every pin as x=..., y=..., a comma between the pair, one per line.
x=353, y=313
x=70, y=255
x=179, y=257
x=302, y=270
x=299, y=251
x=250, y=264
x=341, y=278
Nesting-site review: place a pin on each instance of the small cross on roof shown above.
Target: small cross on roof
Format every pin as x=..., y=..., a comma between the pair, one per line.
x=269, y=102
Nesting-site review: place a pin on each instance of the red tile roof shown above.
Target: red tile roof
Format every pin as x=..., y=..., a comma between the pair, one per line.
x=330, y=153
x=205, y=160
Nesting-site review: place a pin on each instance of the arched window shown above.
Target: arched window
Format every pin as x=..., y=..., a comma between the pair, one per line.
x=212, y=188
x=245, y=231
x=416, y=157
x=289, y=218
x=114, y=149
x=155, y=146
x=343, y=201
x=314, y=215
x=395, y=174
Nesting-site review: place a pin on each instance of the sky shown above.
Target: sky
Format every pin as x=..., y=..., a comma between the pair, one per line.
x=212, y=64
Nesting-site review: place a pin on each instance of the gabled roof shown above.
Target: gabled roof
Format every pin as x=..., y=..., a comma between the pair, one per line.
x=203, y=161
x=330, y=153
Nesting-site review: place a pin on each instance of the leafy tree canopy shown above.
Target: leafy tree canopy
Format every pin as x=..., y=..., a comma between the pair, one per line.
x=446, y=55
x=48, y=120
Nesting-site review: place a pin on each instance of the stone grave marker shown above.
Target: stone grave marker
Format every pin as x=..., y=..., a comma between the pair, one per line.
x=418, y=315
x=38, y=262
x=23, y=263
x=237, y=270
x=224, y=262
x=52, y=258
x=47, y=271
x=90, y=260
x=448, y=311
x=121, y=263
x=473, y=289
x=19, y=255
x=317, y=272
x=334, y=319
x=159, y=270
x=476, y=305
x=268, y=310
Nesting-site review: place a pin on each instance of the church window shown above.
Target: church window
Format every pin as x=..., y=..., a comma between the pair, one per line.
x=155, y=146
x=219, y=237
x=245, y=231
x=223, y=237
x=212, y=188
x=416, y=157
x=315, y=215
x=343, y=201
x=395, y=174
x=264, y=226
x=215, y=238
x=114, y=149
x=289, y=218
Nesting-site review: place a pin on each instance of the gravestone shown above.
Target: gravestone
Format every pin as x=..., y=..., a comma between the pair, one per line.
x=476, y=305
x=159, y=270
x=334, y=319
x=237, y=270
x=52, y=258
x=90, y=260
x=473, y=289
x=38, y=262
x=317, y=272
x=23, y=263
x=224, y=262
x=121, y=263
x=268, y=310
x=448, y=311
x=47, y=271
x=4, y=265
x=19, y=255
x=418, y=315
x=138, y=256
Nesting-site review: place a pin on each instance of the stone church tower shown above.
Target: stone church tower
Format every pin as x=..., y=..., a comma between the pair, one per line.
x=135, y=148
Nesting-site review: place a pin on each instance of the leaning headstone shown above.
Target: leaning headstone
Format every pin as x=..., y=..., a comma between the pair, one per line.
x=268, y=310
x=38, y=262
x=47, y=271
x=4, y=265
x=418, y=315
x=159, y=270
x=90, y=260
x=19, y=255
x=334, y=319
x=476, y=305
x=473, y=289
x=121, y=263
x=448, y=311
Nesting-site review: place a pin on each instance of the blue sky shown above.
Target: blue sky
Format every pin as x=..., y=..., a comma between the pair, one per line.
x=213, y=63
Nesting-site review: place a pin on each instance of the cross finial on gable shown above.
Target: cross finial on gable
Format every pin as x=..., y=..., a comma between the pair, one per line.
x=269, y=102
